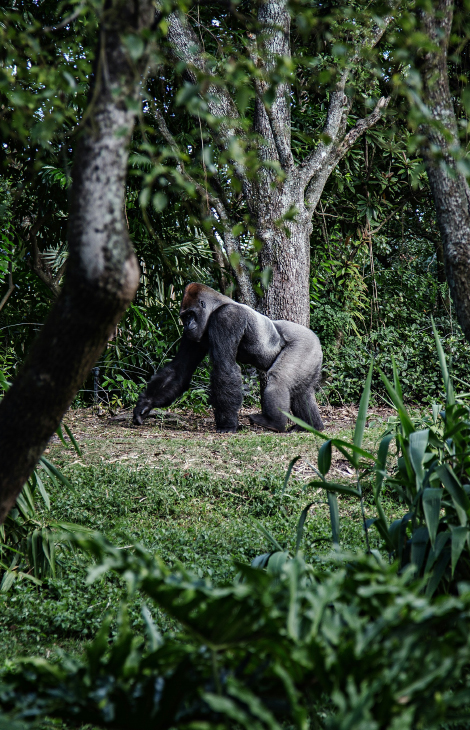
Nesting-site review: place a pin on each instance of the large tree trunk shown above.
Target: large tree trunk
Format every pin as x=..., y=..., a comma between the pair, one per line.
x=449, y=187
x=286, y=252
x=102, y=271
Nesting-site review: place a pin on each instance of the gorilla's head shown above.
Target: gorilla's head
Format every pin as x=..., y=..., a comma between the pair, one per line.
x=198, y=303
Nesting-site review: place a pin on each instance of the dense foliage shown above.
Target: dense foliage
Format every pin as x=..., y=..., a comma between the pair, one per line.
x=363, y=645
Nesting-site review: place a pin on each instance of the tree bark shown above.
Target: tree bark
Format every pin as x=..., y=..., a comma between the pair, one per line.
x=449, y=187
x=102, y=272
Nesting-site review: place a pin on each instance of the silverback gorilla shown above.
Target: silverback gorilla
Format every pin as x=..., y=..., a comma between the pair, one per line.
x=290, y=354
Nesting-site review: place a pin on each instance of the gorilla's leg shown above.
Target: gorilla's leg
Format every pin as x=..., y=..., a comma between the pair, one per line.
x=225, y=332
x=275, y=403
x=292, y=379
x=304, y=406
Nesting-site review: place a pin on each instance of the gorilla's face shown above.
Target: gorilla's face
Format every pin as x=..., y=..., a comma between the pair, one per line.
x=195, y=318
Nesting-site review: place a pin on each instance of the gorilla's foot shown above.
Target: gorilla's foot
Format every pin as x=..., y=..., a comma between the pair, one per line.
x=259, y=419
x=226, y=430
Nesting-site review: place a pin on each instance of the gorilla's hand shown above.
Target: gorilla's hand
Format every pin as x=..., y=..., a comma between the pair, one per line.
x=141, y=410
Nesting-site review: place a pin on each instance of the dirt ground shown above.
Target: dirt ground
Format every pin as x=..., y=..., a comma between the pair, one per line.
x=189, y=441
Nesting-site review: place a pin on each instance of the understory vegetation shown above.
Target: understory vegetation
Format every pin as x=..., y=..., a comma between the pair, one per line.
x=290, y=155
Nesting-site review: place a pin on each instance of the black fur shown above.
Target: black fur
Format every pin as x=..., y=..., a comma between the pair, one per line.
x=289, y=353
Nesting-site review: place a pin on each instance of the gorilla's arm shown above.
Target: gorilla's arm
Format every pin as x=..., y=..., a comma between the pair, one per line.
x=173, y=380
x=226, y=329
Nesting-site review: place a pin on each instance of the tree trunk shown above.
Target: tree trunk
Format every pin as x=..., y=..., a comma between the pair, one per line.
x=102, y=272
x=449, y=187
x=286, y=251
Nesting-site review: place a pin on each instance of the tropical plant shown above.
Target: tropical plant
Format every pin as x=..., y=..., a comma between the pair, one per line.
x=293, y=645
x=431, y=478
x=29, y=541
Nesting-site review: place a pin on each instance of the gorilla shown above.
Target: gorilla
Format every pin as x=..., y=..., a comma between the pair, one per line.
x=288, y=353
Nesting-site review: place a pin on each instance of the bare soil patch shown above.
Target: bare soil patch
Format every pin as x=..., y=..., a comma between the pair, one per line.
x=188, y=441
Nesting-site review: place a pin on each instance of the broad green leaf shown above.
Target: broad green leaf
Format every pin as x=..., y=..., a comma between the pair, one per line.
x=438, y=572
x=99, y=646
x=8, y=579
x=459, y=497
x=432, y=506
x=324, y=458
x=441, y=541
x=419, y=543
x=154, y=637
x=450, y=398
x=260, y=561
x=459, y=538
x=334, y=516
x=276, y=562
x=418, y=441
x=362, y=413
x=381, y=463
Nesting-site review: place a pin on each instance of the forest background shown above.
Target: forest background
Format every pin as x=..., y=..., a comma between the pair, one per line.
x=377, y=269
x=296, y=156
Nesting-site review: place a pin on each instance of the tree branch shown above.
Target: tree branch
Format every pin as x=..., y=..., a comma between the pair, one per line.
x=338, y=110
x=281, y=143
x=361, y=126
x=273, y=122
x=230, y=241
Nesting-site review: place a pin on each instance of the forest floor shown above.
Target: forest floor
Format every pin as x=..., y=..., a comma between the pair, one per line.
x=195, y=497
x=190, y=440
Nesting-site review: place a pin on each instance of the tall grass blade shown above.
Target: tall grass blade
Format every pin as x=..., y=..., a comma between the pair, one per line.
x=405, y=420
x=396, y=379
x=43, y=491
x=266, y=533
x=54, y=472
x=334, y=516
x=72, y=439
x=362, y=414
x=288, y=473
x=450, y=397
x=300, y=527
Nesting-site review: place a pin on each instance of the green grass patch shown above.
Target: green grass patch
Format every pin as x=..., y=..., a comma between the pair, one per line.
x=191, y=498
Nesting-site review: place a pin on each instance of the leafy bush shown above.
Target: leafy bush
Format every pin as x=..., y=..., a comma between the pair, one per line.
x=354, y=648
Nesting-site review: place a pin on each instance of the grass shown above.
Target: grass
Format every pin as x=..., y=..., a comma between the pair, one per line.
x=191, y=497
